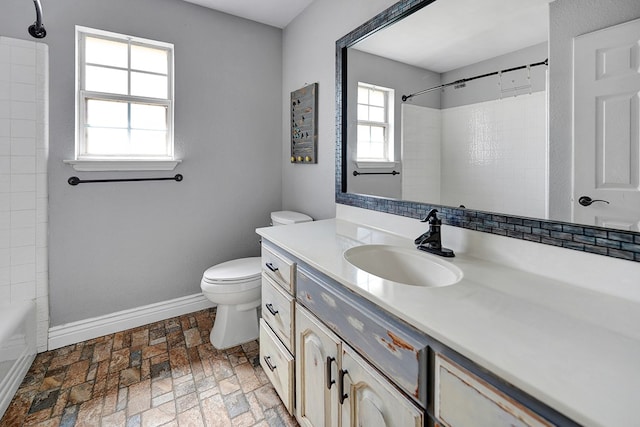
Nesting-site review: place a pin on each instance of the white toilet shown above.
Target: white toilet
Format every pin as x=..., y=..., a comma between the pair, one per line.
x=235, y=287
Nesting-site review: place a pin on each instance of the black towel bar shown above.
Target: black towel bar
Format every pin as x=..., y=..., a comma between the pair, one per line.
x=74, y=180
x=356, y=173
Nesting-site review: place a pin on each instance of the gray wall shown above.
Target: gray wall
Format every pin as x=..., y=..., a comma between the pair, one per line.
x=571, y=18
x=311, y=188
x=119, y=246
x=404, y=79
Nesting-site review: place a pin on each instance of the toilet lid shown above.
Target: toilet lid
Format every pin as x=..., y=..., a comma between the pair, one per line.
x=290, y=217
x=234, y=271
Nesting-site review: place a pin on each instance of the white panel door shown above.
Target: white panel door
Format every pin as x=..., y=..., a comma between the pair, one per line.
x=606, y=127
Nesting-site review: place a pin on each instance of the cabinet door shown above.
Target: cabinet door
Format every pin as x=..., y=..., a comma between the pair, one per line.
x=369, y=400
x=317, y=352
x=462, y=399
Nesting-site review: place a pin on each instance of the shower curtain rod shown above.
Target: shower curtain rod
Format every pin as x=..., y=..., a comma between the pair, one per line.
x=37, y=29
x=461, y=81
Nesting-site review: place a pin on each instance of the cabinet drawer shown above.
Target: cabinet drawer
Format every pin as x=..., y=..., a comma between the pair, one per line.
x=278, y=364
x=395, y=348
x=281, y=269
x=277, y=311
x=462, y=399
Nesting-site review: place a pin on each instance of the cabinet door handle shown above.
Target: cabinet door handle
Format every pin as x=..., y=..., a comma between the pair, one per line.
x=271, y=309
x=267, y=360
x=341, y=392
x=329, y=380
x=271, y=267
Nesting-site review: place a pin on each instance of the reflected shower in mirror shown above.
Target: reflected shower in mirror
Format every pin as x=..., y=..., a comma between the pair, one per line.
x=472, y=128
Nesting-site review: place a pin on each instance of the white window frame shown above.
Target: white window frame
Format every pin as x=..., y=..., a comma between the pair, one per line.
x=387, y=125
x=86, y=161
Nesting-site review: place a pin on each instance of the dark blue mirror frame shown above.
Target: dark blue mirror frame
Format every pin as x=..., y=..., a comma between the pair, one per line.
x=597, y=240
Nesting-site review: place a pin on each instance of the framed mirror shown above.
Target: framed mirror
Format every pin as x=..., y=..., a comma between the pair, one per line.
x=457, y=117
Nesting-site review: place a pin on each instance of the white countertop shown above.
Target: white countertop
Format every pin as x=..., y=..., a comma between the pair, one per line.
x=573, y=348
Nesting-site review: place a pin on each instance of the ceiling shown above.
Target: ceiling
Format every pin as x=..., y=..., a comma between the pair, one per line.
x=277, y=13
x=447, y=35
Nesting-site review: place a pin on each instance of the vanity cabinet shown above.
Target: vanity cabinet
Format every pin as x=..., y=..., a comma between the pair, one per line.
x=463, y=399
x=335, y=386
x=277, y=352
x=337, y=359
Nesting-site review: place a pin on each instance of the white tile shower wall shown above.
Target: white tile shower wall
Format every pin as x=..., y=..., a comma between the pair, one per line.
x=23, y=177
x=496, y=145
x=421, y=134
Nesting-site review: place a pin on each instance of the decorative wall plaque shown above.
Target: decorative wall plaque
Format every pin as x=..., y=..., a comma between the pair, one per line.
x=304, y=124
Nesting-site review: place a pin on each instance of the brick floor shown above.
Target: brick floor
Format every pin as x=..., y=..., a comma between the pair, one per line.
x=162, y=374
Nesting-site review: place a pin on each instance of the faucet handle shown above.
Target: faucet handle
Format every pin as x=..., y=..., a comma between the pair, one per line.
x=431, y=216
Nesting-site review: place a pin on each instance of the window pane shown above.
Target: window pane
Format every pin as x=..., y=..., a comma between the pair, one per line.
x=363, y=112
x=101, y=141
x=376, y=114
x=107, y=114
x=106, y=52
x=377, y=134
x=99, y=79
x=148, y=85
x=376, y=97
x=364, y=134
x=376, y=151
x=153, y=143
x=364, y=152
x=149, y=59
x=152, y=117
x=363, y=95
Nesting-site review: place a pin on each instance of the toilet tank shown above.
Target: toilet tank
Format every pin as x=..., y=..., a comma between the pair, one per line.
x=288, y=217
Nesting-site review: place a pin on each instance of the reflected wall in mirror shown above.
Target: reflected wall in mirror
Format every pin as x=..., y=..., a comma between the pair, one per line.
x=476, y=132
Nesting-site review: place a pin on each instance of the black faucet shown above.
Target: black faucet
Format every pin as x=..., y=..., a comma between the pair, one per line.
x=431, y=240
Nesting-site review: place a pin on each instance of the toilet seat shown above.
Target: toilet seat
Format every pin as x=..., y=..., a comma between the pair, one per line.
x=232, y=276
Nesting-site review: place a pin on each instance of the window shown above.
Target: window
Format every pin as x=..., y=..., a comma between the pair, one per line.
x=375, y=123
x=124, y=97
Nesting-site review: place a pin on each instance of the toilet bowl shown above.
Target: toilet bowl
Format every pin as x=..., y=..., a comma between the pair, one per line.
x=235, y=286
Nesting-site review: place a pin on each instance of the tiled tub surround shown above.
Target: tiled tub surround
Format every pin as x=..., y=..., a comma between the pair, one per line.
x=162, y=374
x=559, y=325
x=507, y=161
x=23, y=177
x=17, y=347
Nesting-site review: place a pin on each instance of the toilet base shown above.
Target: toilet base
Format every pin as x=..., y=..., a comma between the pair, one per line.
x=233, y=327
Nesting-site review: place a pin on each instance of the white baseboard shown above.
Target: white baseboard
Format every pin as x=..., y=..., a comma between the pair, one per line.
x=75, y=332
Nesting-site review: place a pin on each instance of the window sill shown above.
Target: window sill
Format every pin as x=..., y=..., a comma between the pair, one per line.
x=375, y=165
x=122, y=165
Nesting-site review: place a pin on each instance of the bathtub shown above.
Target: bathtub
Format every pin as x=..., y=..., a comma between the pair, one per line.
x=17, y=347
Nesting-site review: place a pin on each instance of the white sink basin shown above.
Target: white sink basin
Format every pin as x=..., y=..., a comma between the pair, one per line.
x=403, y=265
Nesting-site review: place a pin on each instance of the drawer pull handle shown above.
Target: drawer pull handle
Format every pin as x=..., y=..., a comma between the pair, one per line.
x=271, y=267
x=271, y=309
x=341, y=392
x=329, y=380
x=267, y=360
